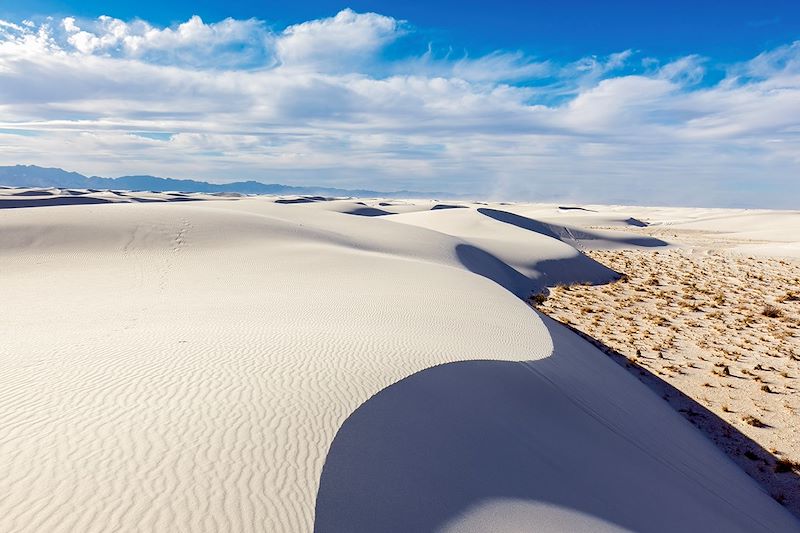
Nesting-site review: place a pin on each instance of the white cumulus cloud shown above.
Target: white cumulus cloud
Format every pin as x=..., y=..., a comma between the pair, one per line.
x=330, y=101
x=345, y=41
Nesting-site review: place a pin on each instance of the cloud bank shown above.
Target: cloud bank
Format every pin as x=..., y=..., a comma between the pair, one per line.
x=333, y=102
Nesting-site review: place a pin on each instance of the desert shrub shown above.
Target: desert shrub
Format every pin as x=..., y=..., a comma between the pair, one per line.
x=785, y=465
x=753, y=421
x=538, y=298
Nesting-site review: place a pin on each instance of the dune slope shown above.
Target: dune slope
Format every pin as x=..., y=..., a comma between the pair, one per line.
x=565, y=443
x=186, y=366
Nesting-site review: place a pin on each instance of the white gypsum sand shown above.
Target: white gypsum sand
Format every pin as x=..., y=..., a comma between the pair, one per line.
x=187, y=366
x=716, y=322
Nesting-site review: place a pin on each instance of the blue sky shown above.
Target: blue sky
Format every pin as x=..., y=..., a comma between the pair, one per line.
x=627, y=102
x=564, y=29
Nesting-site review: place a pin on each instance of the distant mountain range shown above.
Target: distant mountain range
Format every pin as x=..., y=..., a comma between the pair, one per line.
x=34, y=176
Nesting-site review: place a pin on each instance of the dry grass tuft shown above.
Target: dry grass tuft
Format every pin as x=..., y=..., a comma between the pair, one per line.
x=538, y=299
x=785, y=465
x=750, y=455
x=696, y=322
x=753, y=421
x=790, y=296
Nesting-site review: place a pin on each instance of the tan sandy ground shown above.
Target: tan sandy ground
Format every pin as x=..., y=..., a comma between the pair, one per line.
x=697, y=318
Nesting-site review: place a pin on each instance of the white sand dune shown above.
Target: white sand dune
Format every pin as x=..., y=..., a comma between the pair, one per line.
x=532, y=248
x=37, y=197
x=762, y=232
x=766, y=233
x=186, y=367
x=604, y=455
x=368, y=207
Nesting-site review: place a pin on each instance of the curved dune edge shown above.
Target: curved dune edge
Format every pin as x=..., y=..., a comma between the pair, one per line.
x=186, y=366
x=532, y=248
x=566, y=443
x=512, y=516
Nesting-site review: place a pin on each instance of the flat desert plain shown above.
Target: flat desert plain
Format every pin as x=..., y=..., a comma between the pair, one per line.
x=180, y=362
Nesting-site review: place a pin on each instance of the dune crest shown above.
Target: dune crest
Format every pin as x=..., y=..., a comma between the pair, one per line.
x=187, y=365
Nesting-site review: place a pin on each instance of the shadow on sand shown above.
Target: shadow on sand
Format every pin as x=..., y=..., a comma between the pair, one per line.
x=570, y=435
x=59, y=200
x=35, y=192
x=479, y=261
x=447, y=206
x=569, y=235
x=579, y=268
x=761, y=464
x=302, y=200
x=89, y=200
x=369, y=212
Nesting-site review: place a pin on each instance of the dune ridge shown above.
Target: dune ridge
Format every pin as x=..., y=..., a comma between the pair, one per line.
x=186, y=366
